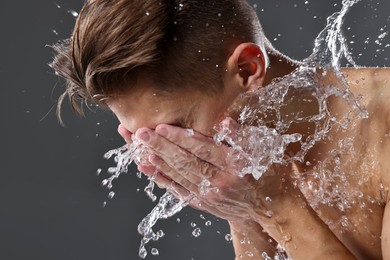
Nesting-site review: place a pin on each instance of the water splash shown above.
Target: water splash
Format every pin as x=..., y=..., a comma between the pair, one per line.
x=166, y=207
x=257, y=158
x=123, y=157
x=261, y=146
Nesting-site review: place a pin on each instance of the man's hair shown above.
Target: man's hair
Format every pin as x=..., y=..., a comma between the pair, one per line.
x=175, y=43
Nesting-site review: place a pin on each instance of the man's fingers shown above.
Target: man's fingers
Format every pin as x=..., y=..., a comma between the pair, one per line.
x=147, y=169
x=163, y=182
x=126, y=134
x=188, y=181
x=201, y=146
x=178, y=163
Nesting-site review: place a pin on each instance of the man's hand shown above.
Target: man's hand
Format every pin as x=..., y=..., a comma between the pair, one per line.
x=194, y=164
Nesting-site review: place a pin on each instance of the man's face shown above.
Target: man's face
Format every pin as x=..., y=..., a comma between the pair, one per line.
x=145, y=106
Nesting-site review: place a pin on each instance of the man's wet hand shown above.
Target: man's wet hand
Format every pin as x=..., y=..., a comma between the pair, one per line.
x=192, y=163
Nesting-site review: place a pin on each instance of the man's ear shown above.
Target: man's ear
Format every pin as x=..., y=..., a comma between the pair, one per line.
x=247, y=66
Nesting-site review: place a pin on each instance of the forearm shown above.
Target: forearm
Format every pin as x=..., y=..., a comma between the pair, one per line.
x=297, y=227
x=250, y=241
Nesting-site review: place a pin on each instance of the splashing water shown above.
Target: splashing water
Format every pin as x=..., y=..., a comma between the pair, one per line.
x=167, y=206
x=264, y=146
x=261, y=146
x=123, y=157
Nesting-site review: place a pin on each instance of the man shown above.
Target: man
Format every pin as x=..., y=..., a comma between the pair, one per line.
x=165, y=66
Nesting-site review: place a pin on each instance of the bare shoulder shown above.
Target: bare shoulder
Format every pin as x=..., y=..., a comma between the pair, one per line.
x=371, y=77
x=373, y=85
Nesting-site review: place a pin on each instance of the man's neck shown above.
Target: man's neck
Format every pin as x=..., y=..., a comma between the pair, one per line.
x=279, y=66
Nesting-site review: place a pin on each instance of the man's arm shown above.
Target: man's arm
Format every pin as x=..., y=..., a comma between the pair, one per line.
x=250, y=242
x=382, y=77
x=297, y=227
x=386, y=233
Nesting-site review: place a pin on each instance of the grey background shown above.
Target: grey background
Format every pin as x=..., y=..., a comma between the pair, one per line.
x=50, y=196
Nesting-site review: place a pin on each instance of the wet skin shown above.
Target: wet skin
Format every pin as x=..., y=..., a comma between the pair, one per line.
x=306, y=229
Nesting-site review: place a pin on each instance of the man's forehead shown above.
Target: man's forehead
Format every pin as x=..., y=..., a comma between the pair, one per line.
x=151, y=114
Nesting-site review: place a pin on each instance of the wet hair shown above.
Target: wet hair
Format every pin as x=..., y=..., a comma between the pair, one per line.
x=175, y=43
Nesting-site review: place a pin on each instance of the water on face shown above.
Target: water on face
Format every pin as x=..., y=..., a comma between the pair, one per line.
x=264, y=146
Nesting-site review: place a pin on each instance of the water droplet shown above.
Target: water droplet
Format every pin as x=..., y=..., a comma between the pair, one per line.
x=147, y=13
x=55, y=32
x=196, y=232
x=383, y=35
x=160, y=233
x=73, y=13
x=190, y=132
x=98, y=171
x=193, y=224
x=154, y=251
x=269, y=213
x=111, y=195
x=243, y=241
x=266, y=256
x=359, y=194
x=142, y=252
x=344, y=221
x=207, y=223
x=228, y=237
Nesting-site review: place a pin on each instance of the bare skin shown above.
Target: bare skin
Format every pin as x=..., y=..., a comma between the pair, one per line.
x=307, y=229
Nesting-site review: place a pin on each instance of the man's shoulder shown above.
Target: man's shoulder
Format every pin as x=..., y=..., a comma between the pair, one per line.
x=373, y=84
x=365, y=75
